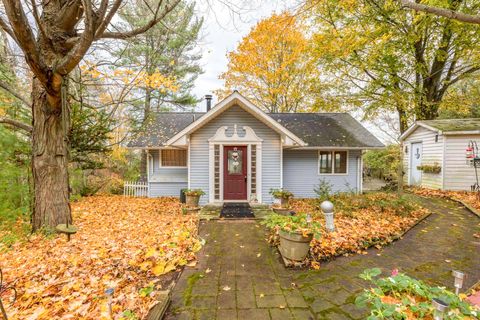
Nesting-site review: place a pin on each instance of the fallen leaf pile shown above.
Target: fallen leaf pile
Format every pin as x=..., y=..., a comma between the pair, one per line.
x=125, y=244
x=470, y=198
x=359, y=226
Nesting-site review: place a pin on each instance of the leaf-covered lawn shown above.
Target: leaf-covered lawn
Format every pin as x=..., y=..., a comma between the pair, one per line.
x=361, y=221
x=122, y=243
x=467, y=197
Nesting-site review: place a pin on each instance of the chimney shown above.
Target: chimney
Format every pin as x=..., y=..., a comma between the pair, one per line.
x=208, y=98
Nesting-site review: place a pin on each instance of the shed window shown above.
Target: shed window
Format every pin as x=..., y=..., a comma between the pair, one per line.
x=173, y=158
x=332, y=162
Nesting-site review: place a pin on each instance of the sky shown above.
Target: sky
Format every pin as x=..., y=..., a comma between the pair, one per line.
x=224, y=27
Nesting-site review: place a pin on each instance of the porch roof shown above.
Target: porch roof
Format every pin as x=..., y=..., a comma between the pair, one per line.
x=316, y=129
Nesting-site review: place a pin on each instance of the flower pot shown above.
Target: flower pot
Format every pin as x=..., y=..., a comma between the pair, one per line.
x=192, y=201
x=284, y=202
x=294, y=246
x=283, y=211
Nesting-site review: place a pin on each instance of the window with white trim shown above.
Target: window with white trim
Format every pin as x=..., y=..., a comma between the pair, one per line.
x=332, y=162
x=173, y=158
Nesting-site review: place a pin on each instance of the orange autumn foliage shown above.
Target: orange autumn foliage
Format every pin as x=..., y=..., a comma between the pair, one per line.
x=361, y=227
x=122, y=243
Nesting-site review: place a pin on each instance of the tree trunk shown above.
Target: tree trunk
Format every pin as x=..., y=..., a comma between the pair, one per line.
x=49, y=159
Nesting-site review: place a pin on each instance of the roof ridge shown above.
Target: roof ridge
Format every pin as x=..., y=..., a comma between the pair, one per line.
x=453, y=119
x=307, y=113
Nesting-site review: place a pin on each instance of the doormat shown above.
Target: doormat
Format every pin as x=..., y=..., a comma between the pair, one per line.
x=236, y=210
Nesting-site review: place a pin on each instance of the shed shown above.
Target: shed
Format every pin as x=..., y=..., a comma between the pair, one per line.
x=435, y=153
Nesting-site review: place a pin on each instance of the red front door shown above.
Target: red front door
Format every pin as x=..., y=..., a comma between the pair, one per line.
x=235, y=173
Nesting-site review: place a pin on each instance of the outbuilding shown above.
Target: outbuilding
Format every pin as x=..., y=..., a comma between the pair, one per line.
x=442, y=154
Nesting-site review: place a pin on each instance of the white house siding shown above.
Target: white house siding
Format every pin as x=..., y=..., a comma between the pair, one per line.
x=165, y=181
x=432, y=152
x=300, y=173
x=271, y=151
x=458, y=175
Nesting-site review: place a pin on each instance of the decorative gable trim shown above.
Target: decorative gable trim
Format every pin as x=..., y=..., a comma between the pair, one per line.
x=249, y=136
x=288, y=138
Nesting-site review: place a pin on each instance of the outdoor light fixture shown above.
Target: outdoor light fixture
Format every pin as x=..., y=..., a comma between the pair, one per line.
x=406, y=149
x=327, y=209
x=459, y=277
x=109, y=293
x=309, y=218
x=440, y=308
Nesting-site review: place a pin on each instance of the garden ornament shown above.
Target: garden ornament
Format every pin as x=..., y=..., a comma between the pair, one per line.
x=327, y=209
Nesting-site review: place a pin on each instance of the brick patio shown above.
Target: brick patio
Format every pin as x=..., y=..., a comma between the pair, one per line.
x=240, y=277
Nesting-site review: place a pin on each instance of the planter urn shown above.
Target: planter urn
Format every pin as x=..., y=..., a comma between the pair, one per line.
x=294, y=246
x=284, y=202
x=192, y=201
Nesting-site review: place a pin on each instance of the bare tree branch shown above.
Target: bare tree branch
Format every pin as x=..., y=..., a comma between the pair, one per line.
x=81, y=47
x=25, y=37
x=16, y=123
x=5, y=86
x=132, y=33
x=37, y=19
x=7, y=29
x=447, y=13
x=104, y=24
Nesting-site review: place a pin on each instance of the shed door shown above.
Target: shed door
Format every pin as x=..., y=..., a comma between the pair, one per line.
x=415, y=161
x=235, y=173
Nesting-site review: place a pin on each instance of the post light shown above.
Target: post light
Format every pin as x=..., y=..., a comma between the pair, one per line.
x=109, y=293
x=440, y=309
x=459, y=277
x=327, y=209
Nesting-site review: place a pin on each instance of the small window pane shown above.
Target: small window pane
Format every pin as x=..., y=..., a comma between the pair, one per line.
x=325, y=162
x=235, y=162
x=340, y=161
x=174, y=158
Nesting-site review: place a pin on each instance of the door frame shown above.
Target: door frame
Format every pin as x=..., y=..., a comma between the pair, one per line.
x=410, y=162
x=248, y=185
x=221, y=139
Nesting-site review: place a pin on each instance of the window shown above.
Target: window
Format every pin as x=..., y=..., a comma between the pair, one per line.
x=173, y=158
x=332, y=162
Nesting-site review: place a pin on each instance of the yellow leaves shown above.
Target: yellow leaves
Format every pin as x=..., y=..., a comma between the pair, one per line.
x=123, y=243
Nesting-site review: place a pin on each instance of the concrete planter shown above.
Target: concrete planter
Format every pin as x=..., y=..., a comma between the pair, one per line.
x=283, y=211
x=284, y=202
x=192, y=201
x=294, y=246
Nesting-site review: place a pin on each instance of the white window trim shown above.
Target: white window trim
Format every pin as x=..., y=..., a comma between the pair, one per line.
x=170, y=167
x=333, y=165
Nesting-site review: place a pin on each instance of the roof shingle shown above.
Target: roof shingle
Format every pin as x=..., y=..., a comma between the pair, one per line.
x=316, y=129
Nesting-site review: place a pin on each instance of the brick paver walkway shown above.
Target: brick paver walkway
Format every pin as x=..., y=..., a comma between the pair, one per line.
x=240, y=277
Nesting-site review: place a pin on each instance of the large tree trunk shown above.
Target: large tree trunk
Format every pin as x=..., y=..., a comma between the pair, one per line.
x=49, y=159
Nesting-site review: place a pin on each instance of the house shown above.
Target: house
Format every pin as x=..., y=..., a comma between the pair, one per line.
x=442, y=144
x=237, y=152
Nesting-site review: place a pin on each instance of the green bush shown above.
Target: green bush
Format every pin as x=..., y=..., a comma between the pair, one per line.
x=399, y=295
x=382, y=164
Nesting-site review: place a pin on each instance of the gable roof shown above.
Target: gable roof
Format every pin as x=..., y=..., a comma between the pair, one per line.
x=327, y=130
x=446, y=126
x=236, y=98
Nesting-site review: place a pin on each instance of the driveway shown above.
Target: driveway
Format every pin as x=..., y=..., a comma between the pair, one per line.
x=240, y=277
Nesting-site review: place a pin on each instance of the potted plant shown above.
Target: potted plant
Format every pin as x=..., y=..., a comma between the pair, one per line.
x=295, y=233
x=193, y=197
x=284, y=197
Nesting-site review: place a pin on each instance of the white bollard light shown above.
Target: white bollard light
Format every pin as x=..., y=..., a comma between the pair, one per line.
x=459, y=277
x=327, y=209
x=440, y=309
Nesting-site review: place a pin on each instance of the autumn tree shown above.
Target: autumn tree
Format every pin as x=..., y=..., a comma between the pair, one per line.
x=54, y=36
x=394, y=60
x=273, y=68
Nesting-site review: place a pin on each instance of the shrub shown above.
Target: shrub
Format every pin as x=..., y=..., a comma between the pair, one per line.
x=402, y=297
x=194, y=192
x=281, y=193
x=382, y=164
x=323, y=190
x=299, y=223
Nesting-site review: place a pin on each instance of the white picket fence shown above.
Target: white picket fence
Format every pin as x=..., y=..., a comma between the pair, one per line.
x=135, y=189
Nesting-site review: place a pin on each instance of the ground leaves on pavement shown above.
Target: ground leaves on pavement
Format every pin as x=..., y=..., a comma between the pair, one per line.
x=123, y=243
x=361, y=221
x=470, y=198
